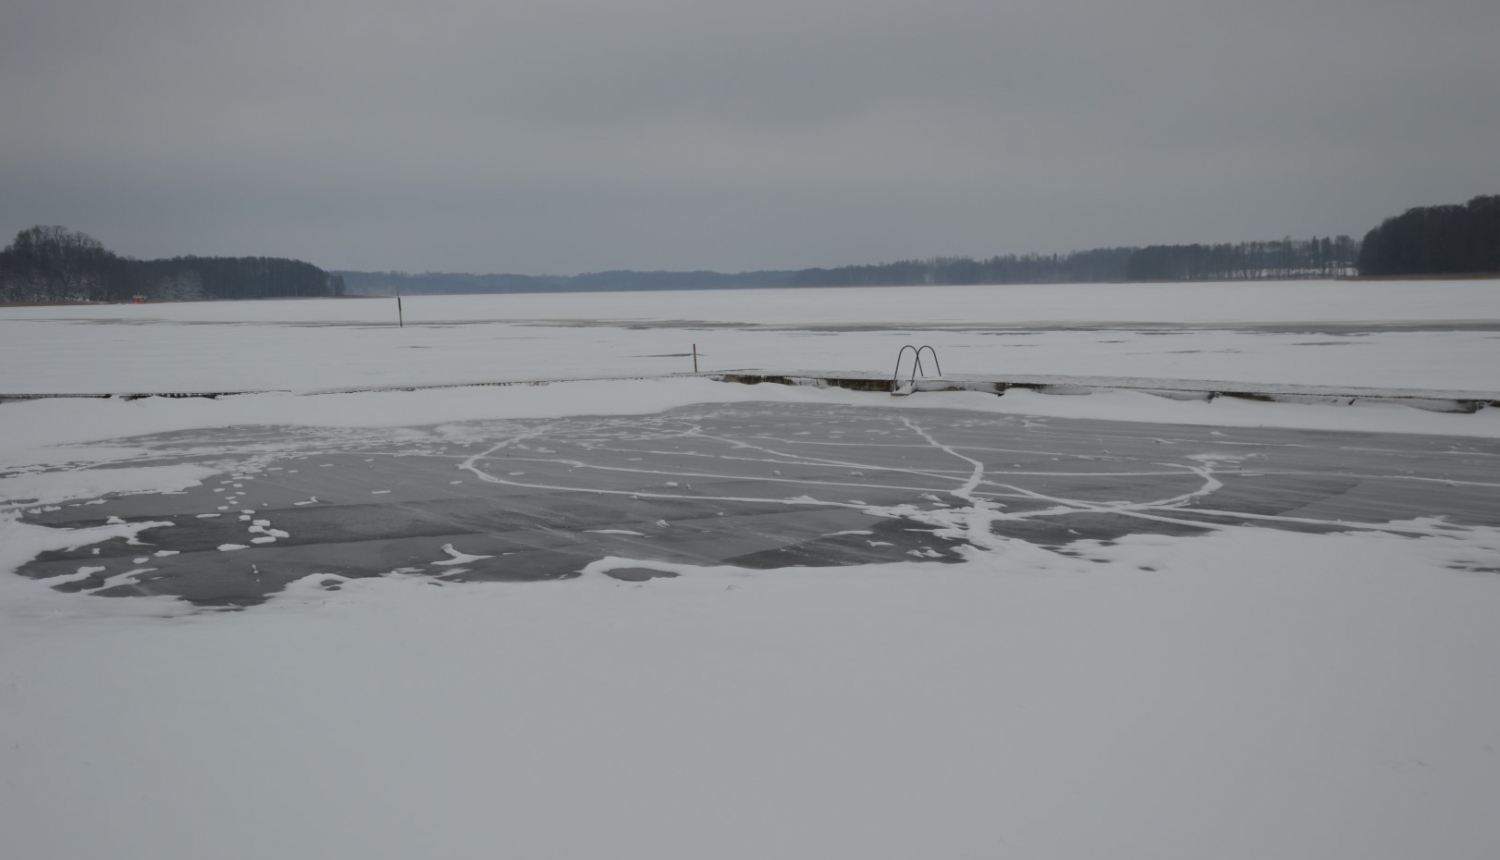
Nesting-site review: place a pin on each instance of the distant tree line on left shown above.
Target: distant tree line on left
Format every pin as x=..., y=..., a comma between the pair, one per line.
x=55, y=264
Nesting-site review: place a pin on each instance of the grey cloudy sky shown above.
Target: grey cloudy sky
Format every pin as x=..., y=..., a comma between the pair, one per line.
x=576, y=135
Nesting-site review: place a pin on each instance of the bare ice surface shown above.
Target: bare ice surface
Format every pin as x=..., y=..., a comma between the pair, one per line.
x=747, y=485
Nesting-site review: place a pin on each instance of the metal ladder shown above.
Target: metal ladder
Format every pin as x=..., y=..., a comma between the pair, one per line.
x=916, y=367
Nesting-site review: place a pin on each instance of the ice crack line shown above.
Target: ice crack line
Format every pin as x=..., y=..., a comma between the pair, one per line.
x=975, y=522
x=965, y=492
x=468, y=464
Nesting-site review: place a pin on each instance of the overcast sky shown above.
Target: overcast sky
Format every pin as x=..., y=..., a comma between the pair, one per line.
x=561, y=136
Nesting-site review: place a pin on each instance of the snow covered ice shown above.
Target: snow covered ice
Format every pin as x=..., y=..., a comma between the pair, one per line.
x=668, y=617
x=1386, y=334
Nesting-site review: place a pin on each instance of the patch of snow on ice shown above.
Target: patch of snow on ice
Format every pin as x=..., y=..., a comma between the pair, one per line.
x=457, y=557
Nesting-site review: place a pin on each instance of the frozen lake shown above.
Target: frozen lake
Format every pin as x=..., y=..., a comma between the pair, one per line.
x=662, y=617
x=1441, y=335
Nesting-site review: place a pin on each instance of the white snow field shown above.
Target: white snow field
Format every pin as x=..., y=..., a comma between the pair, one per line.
x=1383, y=334
x=1313, y=688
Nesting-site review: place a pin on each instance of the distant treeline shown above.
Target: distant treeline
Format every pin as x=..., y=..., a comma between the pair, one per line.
x=1436, y=240
x=1245, y=261
x=1100, y=264
x=55, y=264
x=438, y=283
x=49, y=264
x=1288, y=258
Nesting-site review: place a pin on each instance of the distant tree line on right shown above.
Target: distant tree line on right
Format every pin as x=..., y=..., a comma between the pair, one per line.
x=1436, y=240
x=1427, y=240
x=1245, y=261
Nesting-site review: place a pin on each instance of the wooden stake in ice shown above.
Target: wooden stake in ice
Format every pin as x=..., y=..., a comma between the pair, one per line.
x=400, y=317
x=695, y=358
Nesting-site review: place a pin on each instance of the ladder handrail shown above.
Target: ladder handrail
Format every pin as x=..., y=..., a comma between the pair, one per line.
x=916, y=366
x=896, y=374
x=935, y=361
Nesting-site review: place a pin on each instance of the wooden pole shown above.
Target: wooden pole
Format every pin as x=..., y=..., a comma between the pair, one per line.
x=695, y=358
x=400, y=317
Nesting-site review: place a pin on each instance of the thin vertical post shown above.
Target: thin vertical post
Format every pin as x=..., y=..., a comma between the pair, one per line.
x=400, y=316
x=695, y=358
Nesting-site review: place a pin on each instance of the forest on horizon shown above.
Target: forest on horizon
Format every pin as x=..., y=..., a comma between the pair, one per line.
x=1425, y=240
x=55, y=264
x=1244, y=261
